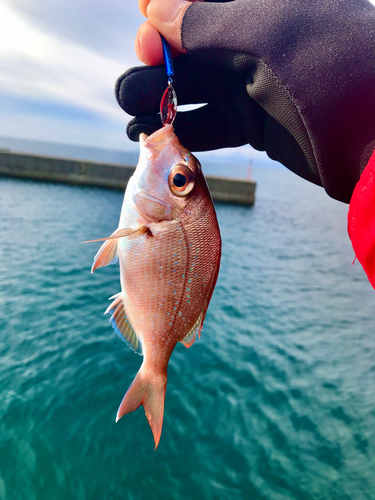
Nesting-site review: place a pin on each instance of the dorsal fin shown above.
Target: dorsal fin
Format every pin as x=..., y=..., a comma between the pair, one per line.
x=122, y=325
x=189, y=339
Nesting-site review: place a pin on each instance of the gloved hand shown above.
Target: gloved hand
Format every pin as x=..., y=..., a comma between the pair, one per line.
x=229, y=119
x=295, y=79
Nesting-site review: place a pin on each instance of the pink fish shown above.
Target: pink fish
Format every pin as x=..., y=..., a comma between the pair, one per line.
x=168, y=245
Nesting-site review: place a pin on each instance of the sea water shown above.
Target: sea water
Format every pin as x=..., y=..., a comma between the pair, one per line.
x=276, y=401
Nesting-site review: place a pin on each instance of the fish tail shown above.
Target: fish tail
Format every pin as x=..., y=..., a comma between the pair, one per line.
x=147, y=389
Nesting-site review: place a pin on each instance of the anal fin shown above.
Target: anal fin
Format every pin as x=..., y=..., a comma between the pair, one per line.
x=189, y=339
x=122, y=325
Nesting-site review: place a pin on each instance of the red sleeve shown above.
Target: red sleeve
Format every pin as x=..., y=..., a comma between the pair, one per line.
x=361, y=220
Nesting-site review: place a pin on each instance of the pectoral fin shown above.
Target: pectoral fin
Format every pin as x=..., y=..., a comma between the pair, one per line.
x=120, y=233
x=108, y=252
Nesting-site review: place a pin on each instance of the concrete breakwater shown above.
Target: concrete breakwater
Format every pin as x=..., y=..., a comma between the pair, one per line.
x=107, y=175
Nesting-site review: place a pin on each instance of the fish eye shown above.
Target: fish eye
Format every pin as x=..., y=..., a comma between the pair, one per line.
x=181, y=180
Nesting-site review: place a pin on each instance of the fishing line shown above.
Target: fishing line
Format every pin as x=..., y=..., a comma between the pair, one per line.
x=168, y=103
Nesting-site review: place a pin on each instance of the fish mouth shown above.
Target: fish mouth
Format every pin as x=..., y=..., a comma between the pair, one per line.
x=157, y=141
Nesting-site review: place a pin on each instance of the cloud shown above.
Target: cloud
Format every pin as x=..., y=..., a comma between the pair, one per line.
x=42, y=72
x=107, y=27
x=58, y=70
x=40, y=66
x=59, y=61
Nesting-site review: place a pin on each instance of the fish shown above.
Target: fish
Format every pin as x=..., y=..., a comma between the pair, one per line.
x=168, y=245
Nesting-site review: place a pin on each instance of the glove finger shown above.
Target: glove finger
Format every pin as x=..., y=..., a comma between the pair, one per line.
x=139, y=90
x=201, y=129
x=147, y=124
x=208, y=128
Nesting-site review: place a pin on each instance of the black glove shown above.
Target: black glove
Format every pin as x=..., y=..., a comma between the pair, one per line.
x=230, y=118
x=223, y=122
x=296, y=79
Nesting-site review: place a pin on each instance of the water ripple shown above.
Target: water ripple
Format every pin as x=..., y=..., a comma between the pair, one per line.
x=274, y=402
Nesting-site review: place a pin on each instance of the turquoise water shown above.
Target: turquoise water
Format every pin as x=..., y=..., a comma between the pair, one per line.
x=276, y=401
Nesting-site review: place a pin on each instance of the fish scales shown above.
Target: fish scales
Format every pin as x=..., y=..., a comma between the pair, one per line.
x=169, y=246
x=169, y=289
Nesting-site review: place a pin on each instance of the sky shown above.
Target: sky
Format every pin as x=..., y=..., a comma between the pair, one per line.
x=59, y=61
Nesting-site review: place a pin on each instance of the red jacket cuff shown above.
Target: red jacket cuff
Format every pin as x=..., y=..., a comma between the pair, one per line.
x=361, y=220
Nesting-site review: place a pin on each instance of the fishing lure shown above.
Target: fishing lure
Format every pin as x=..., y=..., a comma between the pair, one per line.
x=168, y=103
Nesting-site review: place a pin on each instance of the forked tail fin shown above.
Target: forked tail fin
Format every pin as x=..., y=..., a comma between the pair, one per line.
x=148, y=390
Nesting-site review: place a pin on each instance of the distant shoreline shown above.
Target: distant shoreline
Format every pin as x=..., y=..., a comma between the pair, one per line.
x=107, y=175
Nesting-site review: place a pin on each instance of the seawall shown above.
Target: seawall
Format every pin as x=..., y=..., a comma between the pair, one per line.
x=107, y=175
